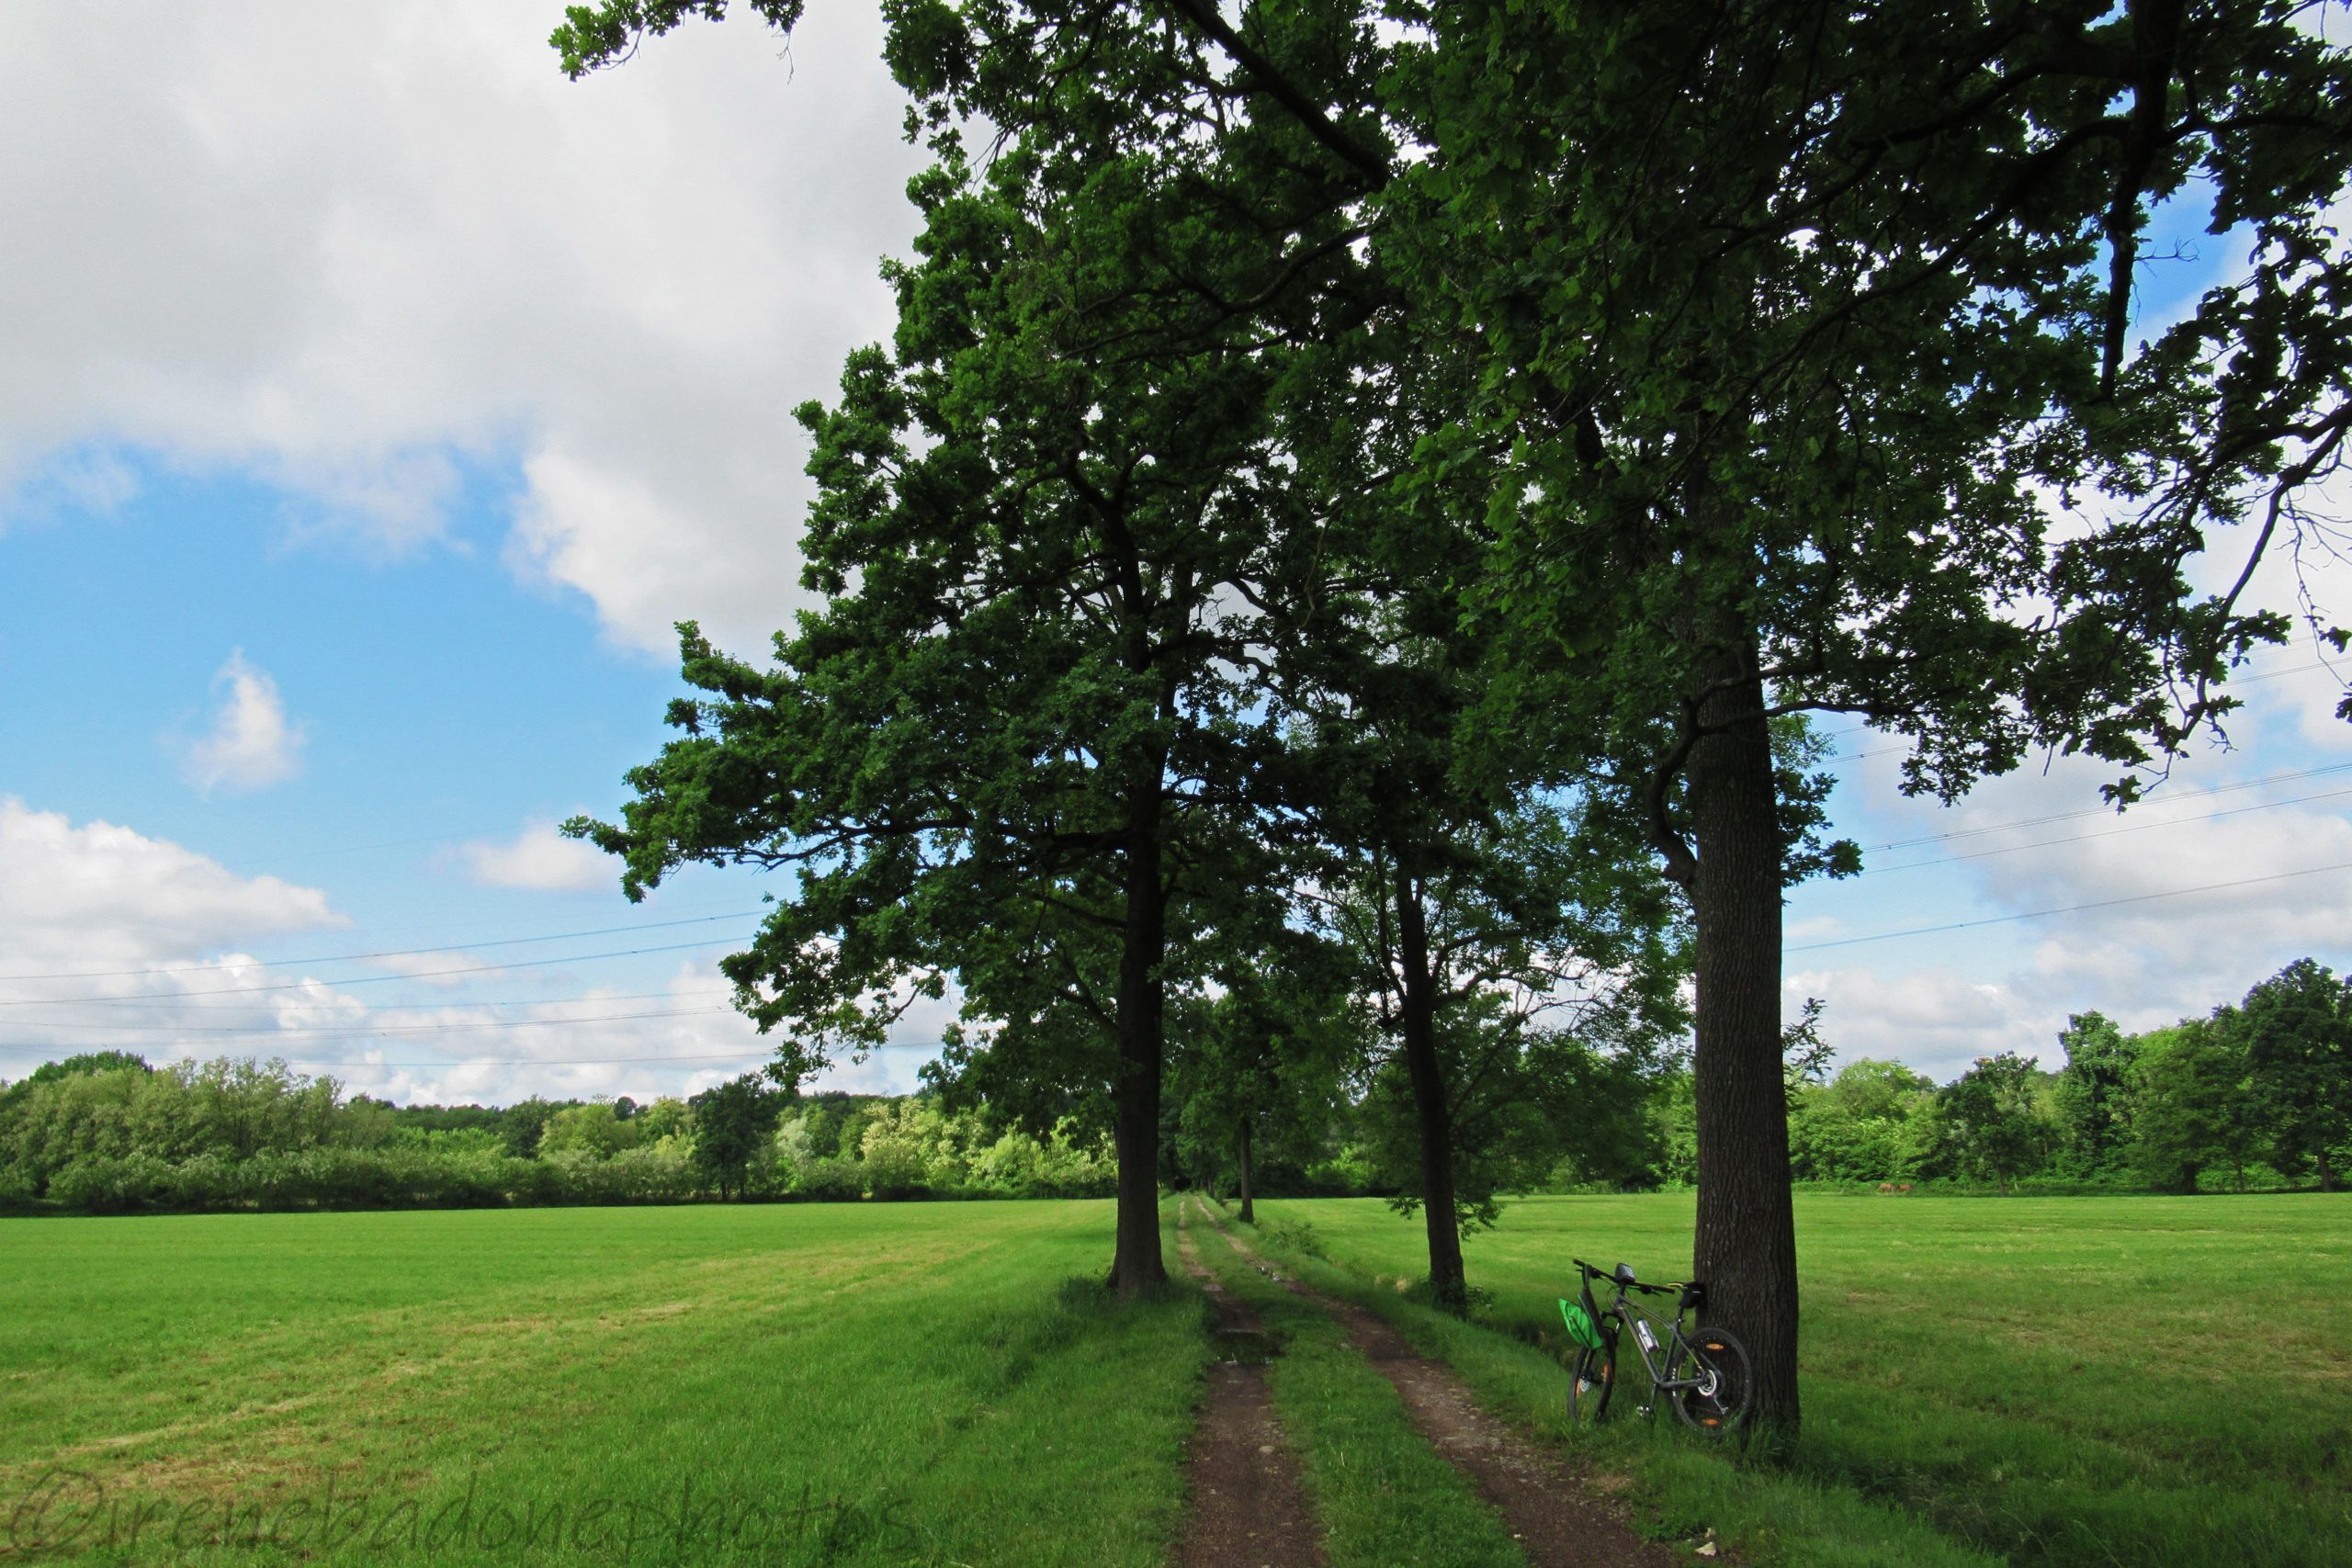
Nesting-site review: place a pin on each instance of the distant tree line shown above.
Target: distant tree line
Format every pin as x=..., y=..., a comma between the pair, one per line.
x=2255, y=1094
x=105, y=1132
x=2259, y=1093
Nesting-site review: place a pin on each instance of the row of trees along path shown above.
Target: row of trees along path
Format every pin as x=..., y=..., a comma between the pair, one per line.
x=1316, y=453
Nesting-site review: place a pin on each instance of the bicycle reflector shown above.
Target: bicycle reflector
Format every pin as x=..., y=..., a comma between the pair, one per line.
x=1581, y=1328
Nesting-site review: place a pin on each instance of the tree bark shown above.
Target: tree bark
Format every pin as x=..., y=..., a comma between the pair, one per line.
x=1745, y=1244
x=1417, y=1016
x=1136, y=1268
x=1248, y=1213
x=2326, y=1172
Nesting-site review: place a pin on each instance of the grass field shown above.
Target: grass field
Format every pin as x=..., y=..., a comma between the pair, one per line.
x=834, y=1383
x=2059, y=1380
x=2129, y=1381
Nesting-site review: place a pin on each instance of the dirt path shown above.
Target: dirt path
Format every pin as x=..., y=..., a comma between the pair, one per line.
x=1547, y=1509
x=1248, y=1509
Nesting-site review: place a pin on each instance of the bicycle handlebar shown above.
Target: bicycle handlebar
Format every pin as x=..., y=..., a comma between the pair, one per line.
x=1592, y=1272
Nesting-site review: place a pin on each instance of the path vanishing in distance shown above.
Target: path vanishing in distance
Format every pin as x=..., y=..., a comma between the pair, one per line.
x=1249, y=1509
x=1545, y=1508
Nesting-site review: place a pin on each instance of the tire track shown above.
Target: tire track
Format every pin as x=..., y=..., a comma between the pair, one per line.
x=1544, y=1506
x=1249, y=1508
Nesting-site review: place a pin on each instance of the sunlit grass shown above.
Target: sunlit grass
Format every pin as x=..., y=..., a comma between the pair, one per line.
x=838, y=1383
x=2059, y=1380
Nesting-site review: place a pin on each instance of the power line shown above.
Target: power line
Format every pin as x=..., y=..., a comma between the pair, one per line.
x=536, y=1062
x=582, y=1061
x=1891, y=751
x=530, y=1061
x=2106, y=810
x=2112, y=832
x=2068, y=909
x=590, y=1061
x=264, y=1032
x=374, y=979
x=389, y=951
x=2257, y=674
x=485, y=835
x=599, y=999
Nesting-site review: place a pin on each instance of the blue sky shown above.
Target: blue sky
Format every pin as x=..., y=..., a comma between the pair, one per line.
x=375, y=400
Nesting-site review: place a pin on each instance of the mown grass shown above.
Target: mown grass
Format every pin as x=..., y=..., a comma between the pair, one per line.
x=2063, y=1381
x=817, y=1383
x=1381, y=1493
x=2060, y=1380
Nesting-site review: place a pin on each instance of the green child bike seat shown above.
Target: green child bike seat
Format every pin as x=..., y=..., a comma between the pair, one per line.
x=1581, y=1328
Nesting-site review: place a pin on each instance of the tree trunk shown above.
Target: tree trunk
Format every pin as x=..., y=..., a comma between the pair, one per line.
x=1248, y=1213
x=1136, y=1268
x=1448, y=1286
x=1745, y=1244
x=2326, y=1172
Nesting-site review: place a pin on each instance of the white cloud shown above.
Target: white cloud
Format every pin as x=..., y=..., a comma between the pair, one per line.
x=1934, y=1020
x=249, y=744
x=108, y=932
x=2255, y=851
x=2153, y=959
x=601, y=1041
x=100, y=896
x=115, y=940
x=95, y=482
x=2145, y=952
x=355, y=250
x=542, y=859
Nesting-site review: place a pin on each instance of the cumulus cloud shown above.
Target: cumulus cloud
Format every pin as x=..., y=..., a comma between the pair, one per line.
x=98, y=895
x=542, y=859
x=117, y=940
x=680, y=1040
x=2186, y=917
x=358, y=251
x=108, y=932
x=249, y=743
x=1934, y=1020
x=2229, y=871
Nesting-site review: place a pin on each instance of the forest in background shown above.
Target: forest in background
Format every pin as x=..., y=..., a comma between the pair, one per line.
x=2248, y=1096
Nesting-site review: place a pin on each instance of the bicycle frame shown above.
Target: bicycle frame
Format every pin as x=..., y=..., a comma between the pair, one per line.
x=1655, y=1354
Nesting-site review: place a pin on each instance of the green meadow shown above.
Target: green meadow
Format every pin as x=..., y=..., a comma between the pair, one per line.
x=2131, y=1381
x=2062, y=1381
x=848, y=1384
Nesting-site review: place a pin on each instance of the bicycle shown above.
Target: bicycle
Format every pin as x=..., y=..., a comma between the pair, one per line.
x=1702, y=1373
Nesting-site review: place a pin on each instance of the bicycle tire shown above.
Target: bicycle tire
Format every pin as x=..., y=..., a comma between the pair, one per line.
x=1592, y=1378
x=1719, y=1410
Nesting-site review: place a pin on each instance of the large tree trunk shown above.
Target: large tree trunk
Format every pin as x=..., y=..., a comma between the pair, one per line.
x=1136, y=1268
x=1745, y=1244
x=2327, y=1171
x=1448, y=1286
x=1248, y=1213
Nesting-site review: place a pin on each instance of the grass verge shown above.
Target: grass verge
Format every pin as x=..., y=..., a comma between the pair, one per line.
x=2062, y=1381
x=1770, y=1515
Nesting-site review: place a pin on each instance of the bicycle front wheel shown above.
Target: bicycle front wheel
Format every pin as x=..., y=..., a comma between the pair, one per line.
x=1593, y=1377
x=1716, y=1365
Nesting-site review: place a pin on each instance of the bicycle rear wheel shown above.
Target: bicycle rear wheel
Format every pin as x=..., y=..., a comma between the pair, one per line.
x=1717, y=1363
x=1593, y=1377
